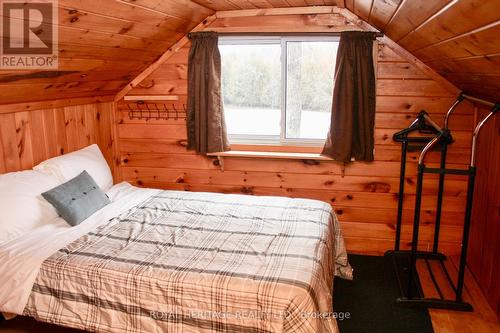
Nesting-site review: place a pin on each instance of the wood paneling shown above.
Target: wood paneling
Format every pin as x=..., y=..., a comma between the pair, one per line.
x=103, y=45
x=442, y=32
x=285, y=23
x=437, y=31
x=58, y=103
x=30, y=137
x=484, y=253
x=152, y=153
x=382, y=11
x=459, y=18
x=252, y=4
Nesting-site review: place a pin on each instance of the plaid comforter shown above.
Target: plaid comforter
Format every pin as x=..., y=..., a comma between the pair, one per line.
x=199, y=262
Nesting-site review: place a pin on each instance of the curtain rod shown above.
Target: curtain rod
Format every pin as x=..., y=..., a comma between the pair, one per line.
x=224, y=34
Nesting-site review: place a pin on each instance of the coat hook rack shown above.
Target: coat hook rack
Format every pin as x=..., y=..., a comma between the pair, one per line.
x=142, y=110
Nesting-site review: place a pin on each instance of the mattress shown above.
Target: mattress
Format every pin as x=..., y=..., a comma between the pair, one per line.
x=198, y=262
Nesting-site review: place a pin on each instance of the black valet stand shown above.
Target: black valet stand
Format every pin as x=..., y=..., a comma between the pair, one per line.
x=405, y=261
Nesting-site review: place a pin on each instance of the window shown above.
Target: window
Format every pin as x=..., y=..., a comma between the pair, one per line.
x=278, y=90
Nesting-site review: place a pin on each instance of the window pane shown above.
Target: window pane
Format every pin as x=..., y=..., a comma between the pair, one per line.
x=251, y=83
x=310, y=71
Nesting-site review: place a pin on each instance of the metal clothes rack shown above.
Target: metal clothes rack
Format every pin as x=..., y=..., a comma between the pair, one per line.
x=404, y=260
x=426, y=127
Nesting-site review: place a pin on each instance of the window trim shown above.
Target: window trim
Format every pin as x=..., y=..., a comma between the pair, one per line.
x=281, y=140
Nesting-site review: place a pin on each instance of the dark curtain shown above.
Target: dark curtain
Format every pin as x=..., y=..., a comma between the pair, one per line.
x=206, y=126
x=351, y=133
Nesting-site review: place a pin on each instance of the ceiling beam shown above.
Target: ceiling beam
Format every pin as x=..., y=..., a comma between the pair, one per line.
x=278, y=11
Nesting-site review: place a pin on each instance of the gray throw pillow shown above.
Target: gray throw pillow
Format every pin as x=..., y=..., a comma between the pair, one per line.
x=77, y=199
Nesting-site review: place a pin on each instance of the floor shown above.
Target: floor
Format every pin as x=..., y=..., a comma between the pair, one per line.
x=482, y=320
x=28, y=325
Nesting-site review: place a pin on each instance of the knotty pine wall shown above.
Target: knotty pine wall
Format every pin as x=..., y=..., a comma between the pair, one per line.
x=30, y=137
x=153, y=154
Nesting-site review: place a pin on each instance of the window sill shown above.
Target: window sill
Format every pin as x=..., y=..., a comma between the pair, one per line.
x=267, y=155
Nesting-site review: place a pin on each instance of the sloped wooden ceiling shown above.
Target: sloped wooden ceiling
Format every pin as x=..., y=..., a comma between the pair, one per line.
x=460, y=39
x=105, y=44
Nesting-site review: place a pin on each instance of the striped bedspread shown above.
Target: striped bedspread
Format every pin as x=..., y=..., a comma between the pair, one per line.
x=199, y=262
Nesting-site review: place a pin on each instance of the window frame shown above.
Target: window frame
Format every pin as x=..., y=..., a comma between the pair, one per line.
x=282, y=40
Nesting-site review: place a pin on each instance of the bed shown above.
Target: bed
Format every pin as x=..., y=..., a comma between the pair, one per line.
x=173, y=261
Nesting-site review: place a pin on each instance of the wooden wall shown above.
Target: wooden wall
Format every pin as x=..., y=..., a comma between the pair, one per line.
x=152, y=153
x=30, y=137
x=484, y=255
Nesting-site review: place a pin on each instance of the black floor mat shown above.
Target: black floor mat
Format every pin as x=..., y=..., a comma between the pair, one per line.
x=370, y=300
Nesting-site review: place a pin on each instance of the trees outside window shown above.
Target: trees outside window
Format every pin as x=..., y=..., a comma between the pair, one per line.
x=278, y=90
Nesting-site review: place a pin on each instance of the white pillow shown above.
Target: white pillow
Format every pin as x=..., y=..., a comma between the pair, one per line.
x=22, y=208
x=67, y=167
